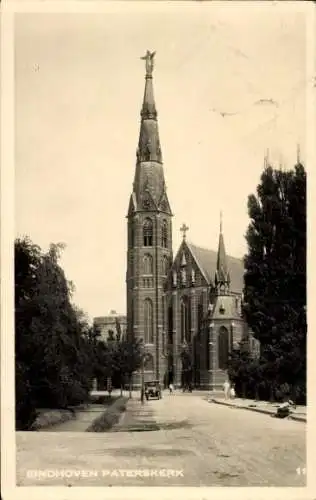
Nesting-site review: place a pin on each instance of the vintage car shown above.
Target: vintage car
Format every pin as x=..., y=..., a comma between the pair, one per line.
x=152, y=389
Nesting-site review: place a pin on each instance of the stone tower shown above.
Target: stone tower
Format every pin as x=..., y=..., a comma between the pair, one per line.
x=227, y=325
x=149, y=254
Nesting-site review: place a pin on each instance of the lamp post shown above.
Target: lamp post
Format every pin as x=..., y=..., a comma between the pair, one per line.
x=143, y=362
x=211, y=325
x=211, y=340
x=142, y=379
x=184, y=360
x=210, y=353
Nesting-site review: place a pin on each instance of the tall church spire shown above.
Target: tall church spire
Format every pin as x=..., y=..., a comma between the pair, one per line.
x=149, y=144
x=149, y=238
x=149, y=188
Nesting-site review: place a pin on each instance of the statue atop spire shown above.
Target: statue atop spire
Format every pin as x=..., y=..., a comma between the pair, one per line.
x=149, y=145
x=149, y=58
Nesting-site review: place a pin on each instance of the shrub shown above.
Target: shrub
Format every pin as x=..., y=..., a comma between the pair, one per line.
x=110, y=417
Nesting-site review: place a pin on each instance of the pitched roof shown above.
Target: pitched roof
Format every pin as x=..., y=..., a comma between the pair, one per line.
x=207, y=261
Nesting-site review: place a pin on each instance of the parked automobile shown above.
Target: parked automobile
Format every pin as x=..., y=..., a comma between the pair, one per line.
x=152, y=389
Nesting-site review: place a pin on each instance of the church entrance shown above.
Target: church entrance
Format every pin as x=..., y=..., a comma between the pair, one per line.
x=196, y=362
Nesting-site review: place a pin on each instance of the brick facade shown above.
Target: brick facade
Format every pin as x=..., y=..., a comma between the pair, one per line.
x=142, y=286
x=188, y=284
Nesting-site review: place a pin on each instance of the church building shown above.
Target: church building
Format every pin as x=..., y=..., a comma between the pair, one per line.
x=186, y=309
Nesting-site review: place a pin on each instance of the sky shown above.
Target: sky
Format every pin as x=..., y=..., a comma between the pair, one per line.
x=79, y=84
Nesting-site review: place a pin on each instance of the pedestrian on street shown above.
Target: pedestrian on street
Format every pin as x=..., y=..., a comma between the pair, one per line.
x=285, y=409
x=226, y=387
x=170, y=388
x=232, y=392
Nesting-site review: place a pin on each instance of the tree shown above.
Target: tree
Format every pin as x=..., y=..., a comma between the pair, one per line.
x=129, y=358
x=275, y=275
x=27, y=263
x=54, y=356
x=246, y=373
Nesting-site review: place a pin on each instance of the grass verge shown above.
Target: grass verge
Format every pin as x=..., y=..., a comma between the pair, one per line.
x=48, y=418
x=110, y=416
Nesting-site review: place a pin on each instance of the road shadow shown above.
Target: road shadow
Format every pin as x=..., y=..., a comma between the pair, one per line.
x=151, y=452
x=145, y=426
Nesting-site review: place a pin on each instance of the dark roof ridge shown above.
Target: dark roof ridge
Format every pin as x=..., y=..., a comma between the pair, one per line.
x=189, y=243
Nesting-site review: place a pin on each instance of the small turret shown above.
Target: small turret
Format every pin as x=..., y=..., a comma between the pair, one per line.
x=222, y=276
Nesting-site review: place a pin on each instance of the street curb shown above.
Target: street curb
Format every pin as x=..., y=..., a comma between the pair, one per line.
x=258, y=410
x=297, y=418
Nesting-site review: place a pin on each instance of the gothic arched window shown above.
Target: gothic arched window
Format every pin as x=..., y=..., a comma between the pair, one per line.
x=131, y=235
x=185, y=320
x=164, y=234
x=170, y=325
x=223, y=348
x=148, y=264
x=148, y=322
x=131, y=330
x=165, y=265
x=200, y=317
x=148, y=233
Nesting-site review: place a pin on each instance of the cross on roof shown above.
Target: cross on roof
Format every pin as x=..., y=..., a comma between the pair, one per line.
x=184, y=229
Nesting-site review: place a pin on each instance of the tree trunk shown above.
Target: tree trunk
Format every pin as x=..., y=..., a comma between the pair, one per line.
x=244, y=390
x=130, y=387
x=272, y=393
x=293, y=392
x=256, y=392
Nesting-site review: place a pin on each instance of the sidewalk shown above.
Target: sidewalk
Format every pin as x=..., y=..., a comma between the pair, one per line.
x=299, y=414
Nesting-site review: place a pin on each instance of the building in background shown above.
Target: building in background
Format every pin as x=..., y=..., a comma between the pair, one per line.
x=111, y=327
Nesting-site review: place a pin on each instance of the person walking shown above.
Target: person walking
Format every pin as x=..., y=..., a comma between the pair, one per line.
x=226, y=388
x=170, y=388
x=232, y=392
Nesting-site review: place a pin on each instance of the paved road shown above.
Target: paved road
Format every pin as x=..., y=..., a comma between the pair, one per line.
x=208, y=444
